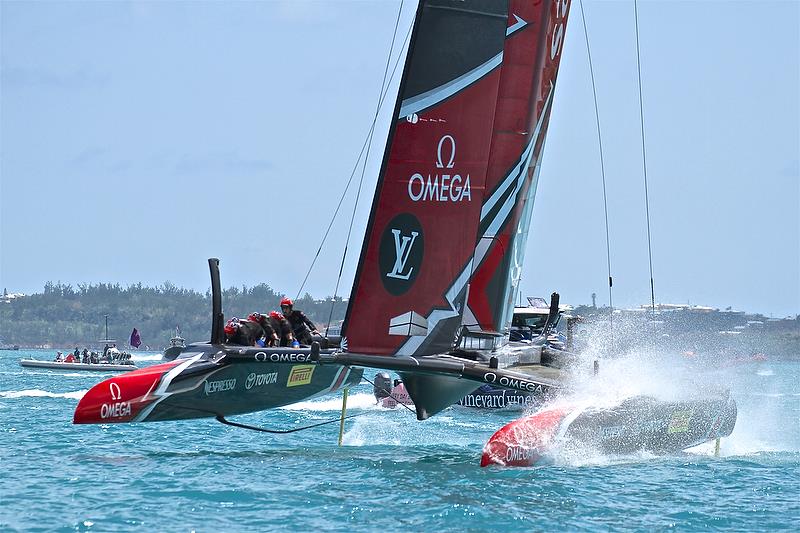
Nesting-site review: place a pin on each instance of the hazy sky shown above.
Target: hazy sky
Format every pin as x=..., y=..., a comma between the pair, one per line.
x=141, y=138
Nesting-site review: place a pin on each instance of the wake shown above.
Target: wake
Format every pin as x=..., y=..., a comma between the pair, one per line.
x=38, y=393
x=361, y=400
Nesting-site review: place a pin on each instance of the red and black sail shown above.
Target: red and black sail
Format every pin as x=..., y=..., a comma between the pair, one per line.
x=416, y=260
x=530, y=64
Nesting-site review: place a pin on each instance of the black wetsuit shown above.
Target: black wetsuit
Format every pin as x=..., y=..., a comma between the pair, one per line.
x=282, y=328
x=301, y=326
x=269, y=332
x=246, y=334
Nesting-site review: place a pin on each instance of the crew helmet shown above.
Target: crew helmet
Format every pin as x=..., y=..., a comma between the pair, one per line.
x=231, y=327
x=287, y=301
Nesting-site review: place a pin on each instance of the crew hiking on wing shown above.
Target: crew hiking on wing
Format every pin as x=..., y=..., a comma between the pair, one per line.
x=302, y=327
x=243, y=332
x=260, y=330
x=284, y=329
x=270, y=338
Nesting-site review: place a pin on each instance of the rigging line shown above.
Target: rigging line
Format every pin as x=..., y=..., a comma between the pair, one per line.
x=223, y=420
x=384, y=91
x=602, y=174
x=644, y=163
x=381, y=97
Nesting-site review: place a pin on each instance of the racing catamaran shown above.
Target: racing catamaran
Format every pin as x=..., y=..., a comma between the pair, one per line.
x=451, y=211
x=441, y=257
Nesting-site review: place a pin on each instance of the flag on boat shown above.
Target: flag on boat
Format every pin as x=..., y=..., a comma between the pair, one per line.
x=136, y=340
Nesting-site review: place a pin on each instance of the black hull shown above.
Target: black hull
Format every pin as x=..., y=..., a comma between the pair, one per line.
x=210, y=381
x=646, y=424
x=171, y=353
x=637, y=424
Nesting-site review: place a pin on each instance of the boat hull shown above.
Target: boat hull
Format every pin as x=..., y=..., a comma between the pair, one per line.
x=636, y=424
x=487, y=397
x=210, y=382
x=171, y=353
x=96, y=367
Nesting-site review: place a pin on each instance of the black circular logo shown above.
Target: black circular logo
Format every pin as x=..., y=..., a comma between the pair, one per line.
x=400, y=253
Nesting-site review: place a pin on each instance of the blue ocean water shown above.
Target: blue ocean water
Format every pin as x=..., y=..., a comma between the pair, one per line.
x=392, y=473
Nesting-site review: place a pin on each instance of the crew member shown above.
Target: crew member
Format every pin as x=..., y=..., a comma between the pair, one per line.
x=243, y=332
x=270, y=338
x=302, y=327
x=282, y=328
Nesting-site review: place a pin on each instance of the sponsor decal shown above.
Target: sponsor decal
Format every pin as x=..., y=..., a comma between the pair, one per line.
x=679, y=422
x=447, y=186
x=514, y=383
x=115, y=410
x=263, y=357
x=300, y=375
x=518, y=453
x=497, y=401
x=221, y=385
x=116, y=393
x=400, y=253
x=611, y=432
x=558, y=32
x=259, y=380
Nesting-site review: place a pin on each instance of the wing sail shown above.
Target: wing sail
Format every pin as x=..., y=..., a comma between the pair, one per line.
x=411, y=284
x=530, y=64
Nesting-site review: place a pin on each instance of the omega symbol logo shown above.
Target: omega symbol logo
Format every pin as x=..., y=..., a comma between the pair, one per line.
x=400, y=253
x=116, y=393
x=452, y=143
x=444, y=183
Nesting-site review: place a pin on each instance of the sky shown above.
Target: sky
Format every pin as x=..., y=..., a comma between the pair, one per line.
x=138, y=139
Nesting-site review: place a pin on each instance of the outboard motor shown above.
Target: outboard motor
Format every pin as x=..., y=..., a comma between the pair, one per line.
x=382, y=386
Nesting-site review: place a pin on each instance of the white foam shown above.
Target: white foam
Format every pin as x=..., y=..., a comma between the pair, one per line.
x=667, y=376
x=361, y=400
x=148, y=357
x=38, y=393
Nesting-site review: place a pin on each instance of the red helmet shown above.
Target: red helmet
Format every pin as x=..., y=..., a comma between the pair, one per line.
x=276, y=315
x=287, y=301
x=255, y=317
x=231, y=327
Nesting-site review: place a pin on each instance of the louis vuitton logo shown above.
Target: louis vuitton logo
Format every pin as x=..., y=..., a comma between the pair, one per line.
x=402, y=247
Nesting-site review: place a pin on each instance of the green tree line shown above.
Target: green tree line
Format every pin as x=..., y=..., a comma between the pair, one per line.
x=68, y=316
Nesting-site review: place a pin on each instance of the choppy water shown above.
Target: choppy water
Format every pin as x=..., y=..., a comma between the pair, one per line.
x=393, y=472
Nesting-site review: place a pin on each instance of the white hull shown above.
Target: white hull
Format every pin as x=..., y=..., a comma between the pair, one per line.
x=100, y=367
